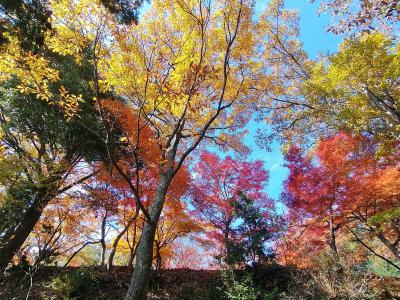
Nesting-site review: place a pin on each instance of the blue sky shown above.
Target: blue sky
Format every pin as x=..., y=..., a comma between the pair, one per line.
x=313, y=27
x=316, y=40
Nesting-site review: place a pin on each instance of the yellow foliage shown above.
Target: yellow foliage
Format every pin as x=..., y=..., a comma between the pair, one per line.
x=32, y=70
x=76, y=26
x=359, y=86
x=175, y=63
x=188, y=60
x=34, y=73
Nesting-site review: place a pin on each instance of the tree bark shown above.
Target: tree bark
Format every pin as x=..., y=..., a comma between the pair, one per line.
x=144, y=253
x=103, y=242
x=132, y=254
x=28, y=222
x=133, y=247
x=158, y=256
x=116, y=241
x=332, y=244
x=389, y=245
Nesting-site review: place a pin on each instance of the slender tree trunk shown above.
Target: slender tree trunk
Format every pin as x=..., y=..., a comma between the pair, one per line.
x=158, y=256
x=132, y=249
x=132, y=253
x=158, y=261
x=332, y=244
x=226, y=240
x=28, y=222
x=112, y=254
x=227, y=245
x=116, y=241
x=103, y=243
x=144, y=253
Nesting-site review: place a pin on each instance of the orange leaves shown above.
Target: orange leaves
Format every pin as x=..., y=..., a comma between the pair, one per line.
x=318, y=185
x=345, y=184
x=135, y=131
x=300, y=245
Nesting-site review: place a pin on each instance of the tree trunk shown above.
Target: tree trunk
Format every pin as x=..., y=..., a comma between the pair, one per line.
x=132, y=248
x=28, y=222
x=226, y=240
x=144, y=253
x=112, y=254
x=132, y=254
x=116, y=241
x=389, y=245
x=332, y=244
x=103, y=243
x=158, y=256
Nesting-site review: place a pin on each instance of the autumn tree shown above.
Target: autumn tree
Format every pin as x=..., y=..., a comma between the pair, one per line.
x=186, y=73
x=330, y=191
x=315, y=194
x=188, y=254
x=40, y=159
x=119, y=185
x=112, y=200
x=39, y=91
x=354, y=89
x=280, y=87
x=65, y=225
x=373, y=211
x=30, y=69
x=317, y=186
x=300, y=245
x=360, y=87
x=217, y=188
x=103, y=199
x=188, y=82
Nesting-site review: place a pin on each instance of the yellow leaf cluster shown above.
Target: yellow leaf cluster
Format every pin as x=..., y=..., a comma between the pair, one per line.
x=359, y=84
x=76, y=26
x=178, y=62
x=34, y=74
x=33, y=71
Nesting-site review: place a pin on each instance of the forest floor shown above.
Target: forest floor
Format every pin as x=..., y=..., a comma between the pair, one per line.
x=91, y=283
x=176, y=284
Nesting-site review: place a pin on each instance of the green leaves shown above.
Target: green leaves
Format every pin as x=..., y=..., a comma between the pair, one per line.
x=385, y=216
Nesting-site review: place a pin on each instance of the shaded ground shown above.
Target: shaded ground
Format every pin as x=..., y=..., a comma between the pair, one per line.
x=90, y=283
x=178, y=284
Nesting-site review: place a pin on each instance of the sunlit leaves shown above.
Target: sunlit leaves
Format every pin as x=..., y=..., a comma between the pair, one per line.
x=33, y=71
x=172, y=64
x=36, y=75
x=360, y=86
x=341, y=182
x=77, y=25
